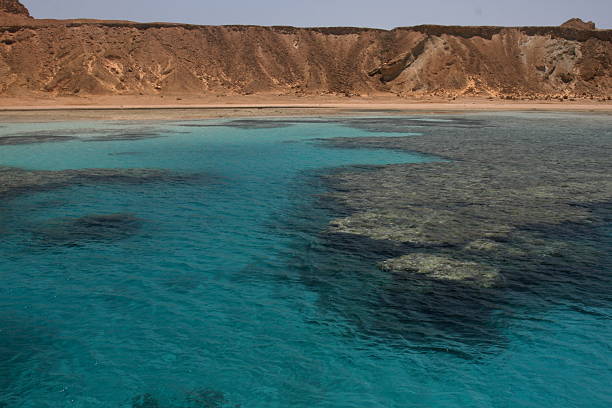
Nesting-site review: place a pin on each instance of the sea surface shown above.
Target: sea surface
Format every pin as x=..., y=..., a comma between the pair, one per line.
x=219, y=289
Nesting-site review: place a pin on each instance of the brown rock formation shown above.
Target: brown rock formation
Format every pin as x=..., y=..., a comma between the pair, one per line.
x=14, y=7
x=578, y=24
x=88, y=57
x=12, y=12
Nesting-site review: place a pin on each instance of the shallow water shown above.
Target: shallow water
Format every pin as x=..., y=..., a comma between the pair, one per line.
x=220, y=290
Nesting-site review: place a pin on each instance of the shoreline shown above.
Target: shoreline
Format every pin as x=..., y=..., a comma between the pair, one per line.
x=157, y=108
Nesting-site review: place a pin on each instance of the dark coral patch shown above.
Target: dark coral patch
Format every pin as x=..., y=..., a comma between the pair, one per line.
x=88, y=229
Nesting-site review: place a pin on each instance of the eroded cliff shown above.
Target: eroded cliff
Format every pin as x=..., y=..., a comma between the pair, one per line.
x=14, y=7
x=107, y=57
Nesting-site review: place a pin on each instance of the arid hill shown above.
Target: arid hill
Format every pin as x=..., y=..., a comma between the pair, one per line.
x=578, y=24
x=14, y=7
x=90, y=57
x=13, y=12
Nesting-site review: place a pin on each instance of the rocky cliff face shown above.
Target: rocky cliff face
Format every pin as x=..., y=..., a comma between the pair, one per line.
x=579, y=24
x=96, y=57
x=12, y=12
x=14, y=7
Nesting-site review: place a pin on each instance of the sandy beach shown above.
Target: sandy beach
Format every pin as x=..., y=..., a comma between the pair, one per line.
x=189, y=107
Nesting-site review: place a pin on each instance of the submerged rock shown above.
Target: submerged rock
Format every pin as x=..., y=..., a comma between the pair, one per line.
x=402, y=124
x=483, y=245
x=89, y=229
x=83, y=134
x=145, y=401
x=244, y=124
x=445, y=269
x=17, y=181
x=502, y=193
x=418, y=226
x=206, y=398
x=123, y=137
x=31, y=139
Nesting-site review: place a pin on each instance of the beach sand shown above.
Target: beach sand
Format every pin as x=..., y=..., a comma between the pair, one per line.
x=28, y=109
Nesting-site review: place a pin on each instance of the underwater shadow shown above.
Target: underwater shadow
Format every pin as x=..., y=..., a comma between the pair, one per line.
x=204, y=398
x=92, y=228
x=407, y=312
x=25, y=345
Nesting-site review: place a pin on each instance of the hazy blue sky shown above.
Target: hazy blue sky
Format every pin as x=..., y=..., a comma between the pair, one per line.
x=369, y=13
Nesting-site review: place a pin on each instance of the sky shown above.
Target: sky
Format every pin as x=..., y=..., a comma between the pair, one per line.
x=308, y=13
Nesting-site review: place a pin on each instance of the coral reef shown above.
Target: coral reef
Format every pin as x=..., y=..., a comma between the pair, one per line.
x=500, y=198
x=88, y=229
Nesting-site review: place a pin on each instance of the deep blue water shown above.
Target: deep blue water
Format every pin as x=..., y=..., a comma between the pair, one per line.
x=220, y=291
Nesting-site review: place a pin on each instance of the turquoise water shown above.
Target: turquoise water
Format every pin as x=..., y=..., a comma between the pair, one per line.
x=222, y=292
